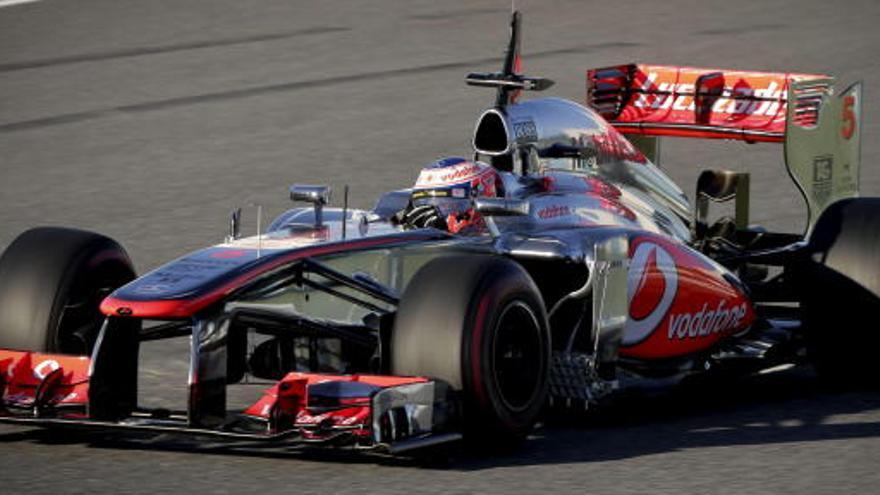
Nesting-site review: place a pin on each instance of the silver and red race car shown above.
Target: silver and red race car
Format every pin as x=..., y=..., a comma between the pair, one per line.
x=559, y=266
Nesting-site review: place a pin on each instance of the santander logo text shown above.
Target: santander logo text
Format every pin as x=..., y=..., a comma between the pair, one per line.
x=665, y=95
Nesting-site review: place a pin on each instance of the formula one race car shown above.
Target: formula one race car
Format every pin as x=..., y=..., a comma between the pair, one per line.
x=559, y=266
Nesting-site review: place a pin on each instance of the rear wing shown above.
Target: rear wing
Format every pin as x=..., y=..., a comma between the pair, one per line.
x=819, y=126
x=658, y=100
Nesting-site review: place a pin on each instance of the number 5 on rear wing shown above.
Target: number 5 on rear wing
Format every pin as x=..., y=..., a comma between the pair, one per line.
x=820, y=130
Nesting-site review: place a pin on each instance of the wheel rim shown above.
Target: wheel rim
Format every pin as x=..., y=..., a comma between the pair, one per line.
x=80, y=320
x=517, y=356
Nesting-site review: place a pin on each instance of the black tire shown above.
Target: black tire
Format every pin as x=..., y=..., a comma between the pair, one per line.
x=479, y=324
x=52, y=281
x=841, y=292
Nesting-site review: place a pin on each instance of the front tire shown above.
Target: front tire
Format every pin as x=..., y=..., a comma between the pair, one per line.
x=52, y=281
x=479, y=324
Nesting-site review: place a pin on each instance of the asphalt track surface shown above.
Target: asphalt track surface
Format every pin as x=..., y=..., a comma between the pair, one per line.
x=149, y=121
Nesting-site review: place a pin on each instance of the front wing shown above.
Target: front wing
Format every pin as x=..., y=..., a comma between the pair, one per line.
x=387, y=413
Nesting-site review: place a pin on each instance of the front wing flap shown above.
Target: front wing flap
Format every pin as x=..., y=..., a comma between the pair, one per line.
x=390, y=413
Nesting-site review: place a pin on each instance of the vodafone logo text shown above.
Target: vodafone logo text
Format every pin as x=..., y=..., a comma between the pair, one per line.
x=705, y=321
x=441, y=177
x=655, y=300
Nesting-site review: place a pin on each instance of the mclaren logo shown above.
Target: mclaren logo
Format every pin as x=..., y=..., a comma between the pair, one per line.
x=651, y=289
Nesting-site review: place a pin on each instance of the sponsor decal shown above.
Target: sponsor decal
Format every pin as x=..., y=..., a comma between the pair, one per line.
x=617, y=209
x=739, y=100
x=154, y=288
x=614, y=146
x=304, y=418
x=706, y=321
x=651, y=289
x=525, y=131
x=553, y=211
x=823, y=167
x=454, y=174
x=249, y=245
x=42, y=370
x=654, y=282
x=229, y=253
x=602, y=188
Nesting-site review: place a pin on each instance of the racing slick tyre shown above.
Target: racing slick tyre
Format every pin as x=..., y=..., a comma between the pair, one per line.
x=52, y=281
x=479, y=324
x=841, y=293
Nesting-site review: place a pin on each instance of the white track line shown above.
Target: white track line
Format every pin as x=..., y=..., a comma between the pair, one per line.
x=10, y=3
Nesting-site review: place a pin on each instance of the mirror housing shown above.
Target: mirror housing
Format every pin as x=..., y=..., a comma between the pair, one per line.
x=316, y=195
x=499, y=207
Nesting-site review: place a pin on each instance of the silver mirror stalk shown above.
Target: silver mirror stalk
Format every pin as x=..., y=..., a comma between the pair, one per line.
x=317, y=195
x=234, y=225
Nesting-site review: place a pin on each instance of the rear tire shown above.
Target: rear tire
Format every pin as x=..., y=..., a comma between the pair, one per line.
x=841, y=293
x=52, y=281
x=479, y=324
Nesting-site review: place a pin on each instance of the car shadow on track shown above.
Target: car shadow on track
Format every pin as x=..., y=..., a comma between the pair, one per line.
x=786, y=407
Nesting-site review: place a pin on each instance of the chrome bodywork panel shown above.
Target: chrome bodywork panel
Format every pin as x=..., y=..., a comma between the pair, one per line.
x=549, y=126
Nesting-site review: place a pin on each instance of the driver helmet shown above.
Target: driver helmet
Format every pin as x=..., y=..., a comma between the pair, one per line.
x=450, y=184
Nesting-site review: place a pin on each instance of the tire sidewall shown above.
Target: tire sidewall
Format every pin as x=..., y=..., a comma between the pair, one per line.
x=839, y=296
x=482, y=391
x=45, y=269
x=102, y=264
x=445, y=329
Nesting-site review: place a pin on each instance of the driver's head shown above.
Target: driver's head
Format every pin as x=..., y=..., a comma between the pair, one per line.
x=454, y=181
x=450, y=184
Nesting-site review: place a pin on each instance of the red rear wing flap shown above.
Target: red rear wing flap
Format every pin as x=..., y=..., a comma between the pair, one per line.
x=658, y=100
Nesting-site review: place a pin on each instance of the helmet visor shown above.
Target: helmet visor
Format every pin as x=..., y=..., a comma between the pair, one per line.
x=448, y=200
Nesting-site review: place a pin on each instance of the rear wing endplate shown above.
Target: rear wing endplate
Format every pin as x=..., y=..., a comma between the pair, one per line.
x=822, y=153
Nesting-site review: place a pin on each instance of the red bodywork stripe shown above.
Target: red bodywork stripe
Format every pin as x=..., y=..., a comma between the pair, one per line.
x=185, y=308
